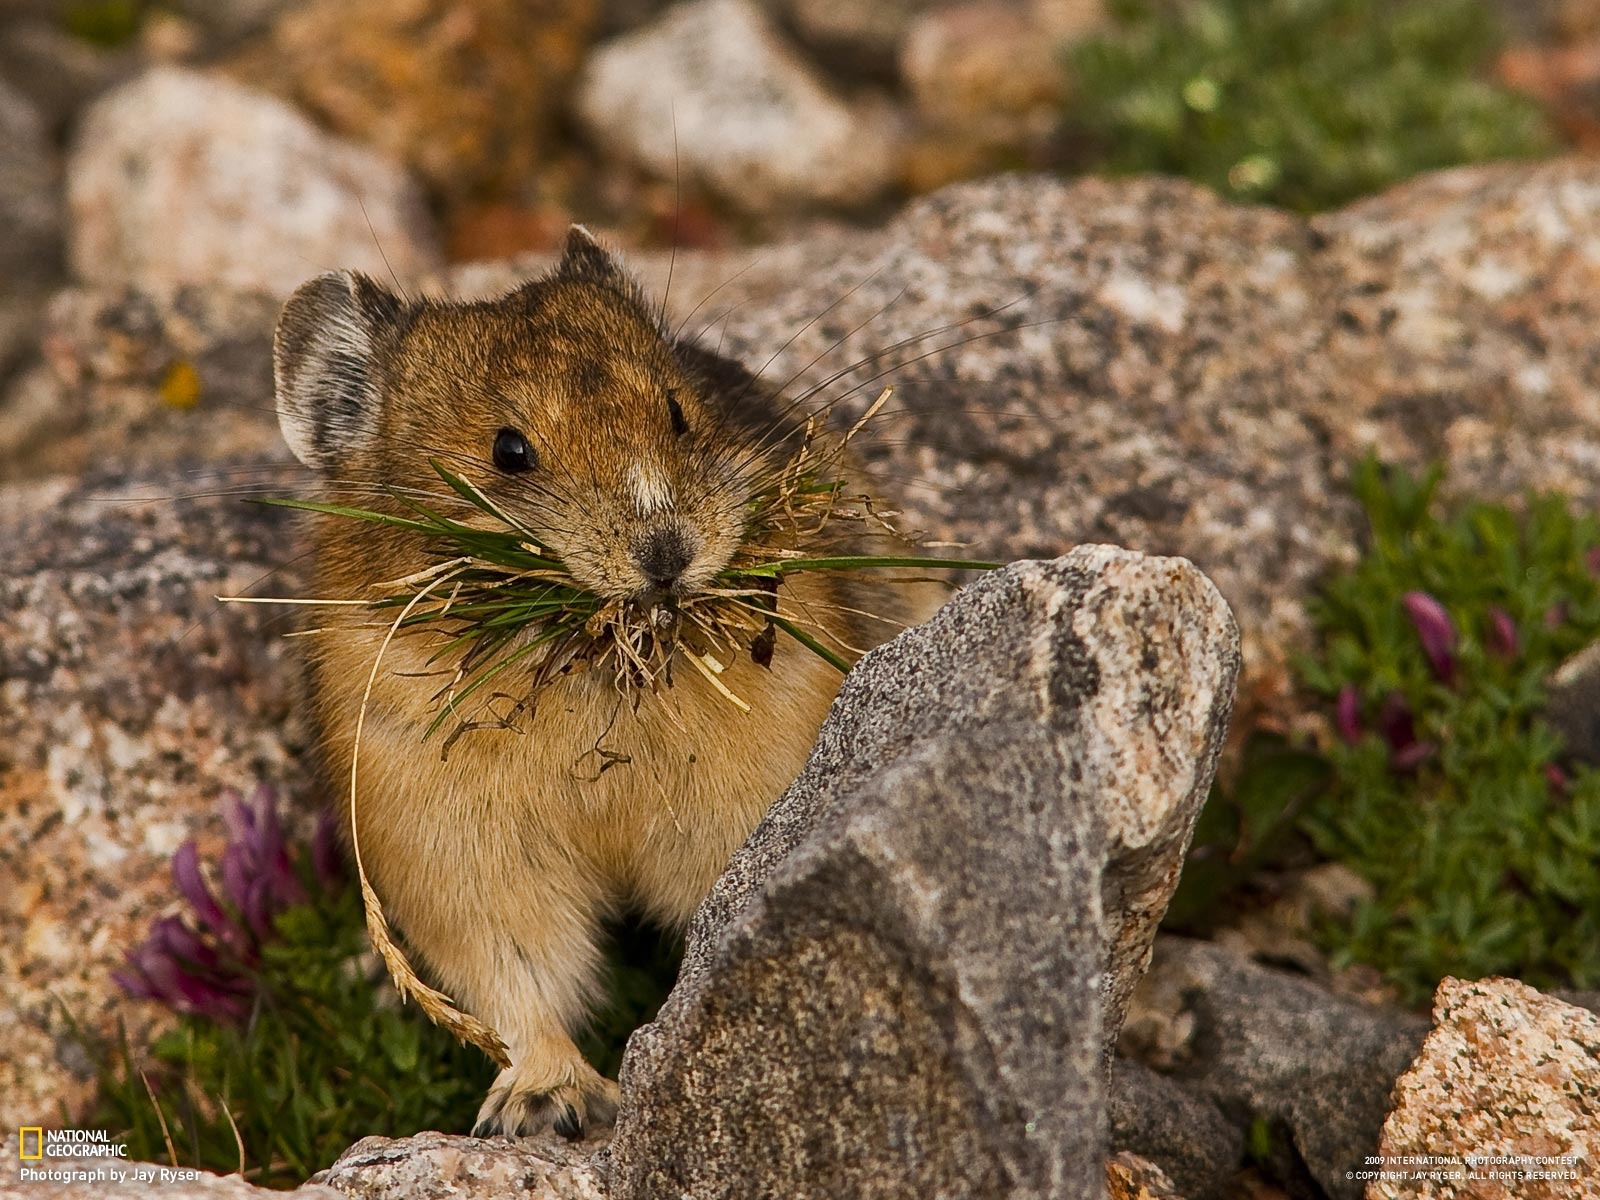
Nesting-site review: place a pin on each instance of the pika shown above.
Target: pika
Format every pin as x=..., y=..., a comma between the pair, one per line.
x=569, y=403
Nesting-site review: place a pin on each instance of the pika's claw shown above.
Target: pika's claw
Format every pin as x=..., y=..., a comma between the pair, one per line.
x=518, y=1105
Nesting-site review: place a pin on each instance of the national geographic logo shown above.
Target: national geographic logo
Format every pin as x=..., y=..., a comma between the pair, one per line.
x=34, y=1143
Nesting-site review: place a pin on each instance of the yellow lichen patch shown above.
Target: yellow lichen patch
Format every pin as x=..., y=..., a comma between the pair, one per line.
x=180, y=386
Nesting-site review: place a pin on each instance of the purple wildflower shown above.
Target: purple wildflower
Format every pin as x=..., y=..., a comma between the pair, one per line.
x=1558, y=779
x=201, y=963
x=1398, y=725
x=1436, y=631
x=1502, y=640
x=1347, y=714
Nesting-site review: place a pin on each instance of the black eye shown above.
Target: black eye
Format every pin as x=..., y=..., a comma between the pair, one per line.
x=512, y=452
x=675, y=411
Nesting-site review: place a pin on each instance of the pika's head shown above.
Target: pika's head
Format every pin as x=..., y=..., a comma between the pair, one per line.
x=632, y=455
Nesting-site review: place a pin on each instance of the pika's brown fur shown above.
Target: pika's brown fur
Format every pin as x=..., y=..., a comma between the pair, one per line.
x=501, y=861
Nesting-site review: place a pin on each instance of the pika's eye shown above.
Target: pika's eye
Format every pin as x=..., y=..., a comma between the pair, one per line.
x=512, y=453
x=675, y=411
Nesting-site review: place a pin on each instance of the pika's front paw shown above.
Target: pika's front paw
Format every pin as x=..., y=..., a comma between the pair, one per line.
x=524, y=1101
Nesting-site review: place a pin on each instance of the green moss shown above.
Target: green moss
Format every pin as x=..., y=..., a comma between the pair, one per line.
x=1301, y=103
x=1479, y=847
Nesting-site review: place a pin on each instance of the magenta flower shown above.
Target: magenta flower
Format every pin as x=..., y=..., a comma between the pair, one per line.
x=1347, y=714
x=1436, y=631
x=1558, y=779
x=201, y=964
x=1502, y=640
x=1555, y=616
x=1592, y=560
x=1398, y=726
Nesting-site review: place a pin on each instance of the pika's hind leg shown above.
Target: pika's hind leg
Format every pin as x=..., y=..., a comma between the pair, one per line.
x=518, y=949
x=542, y=989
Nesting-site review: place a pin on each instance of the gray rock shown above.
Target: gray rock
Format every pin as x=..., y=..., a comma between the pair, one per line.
x=1178, y=1129
x=1263, y=1043
x=464, y=1168
x=712, y=91
x=907, y=981
x=179, y=177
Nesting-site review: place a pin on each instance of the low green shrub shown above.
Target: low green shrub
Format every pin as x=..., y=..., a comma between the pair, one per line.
x=1448, y=793
x=1301, y=103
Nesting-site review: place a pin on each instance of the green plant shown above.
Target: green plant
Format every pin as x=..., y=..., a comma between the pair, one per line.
x=1301, y=103
x=290, y=1043
x=1448, y=794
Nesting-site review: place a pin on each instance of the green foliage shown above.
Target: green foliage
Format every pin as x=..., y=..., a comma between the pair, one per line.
x=329, y=1056
x=1482, y=855
x=1301, y=103
x=1244, y=828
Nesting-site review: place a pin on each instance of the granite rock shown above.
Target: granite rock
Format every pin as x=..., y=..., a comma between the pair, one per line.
x=179, y=177
x=713, y=92
x=863, y=1009
x=465, y=92
x=1177, y=1128
x=1268, y=1044
x=130, y=701
x=1129, y=1177
x=1506, y=1073
x=440, y=1165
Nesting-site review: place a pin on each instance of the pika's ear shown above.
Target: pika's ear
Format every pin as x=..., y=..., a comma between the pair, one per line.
x=584, y=258
x=323, y=360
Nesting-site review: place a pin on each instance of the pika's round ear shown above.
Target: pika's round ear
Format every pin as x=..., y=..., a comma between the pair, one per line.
x=323, y=359
x=584, y=258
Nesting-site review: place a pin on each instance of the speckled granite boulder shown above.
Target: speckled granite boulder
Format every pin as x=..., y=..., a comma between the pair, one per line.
x=1269, y=1044
x=906, y=982
x=711, y=91
x=179, y=177
x=1508, y=1074
x=441, y=1165
x=129, y=701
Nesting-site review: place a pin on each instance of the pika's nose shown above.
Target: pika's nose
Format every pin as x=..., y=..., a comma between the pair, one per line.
x=663, y=555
